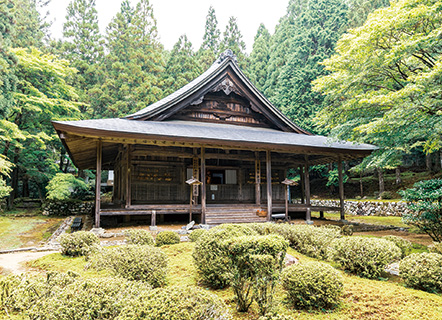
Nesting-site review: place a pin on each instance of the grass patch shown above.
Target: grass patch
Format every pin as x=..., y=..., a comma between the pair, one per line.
x=378, y=220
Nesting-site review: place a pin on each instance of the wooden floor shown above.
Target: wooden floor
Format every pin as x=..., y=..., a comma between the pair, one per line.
x=215, y=213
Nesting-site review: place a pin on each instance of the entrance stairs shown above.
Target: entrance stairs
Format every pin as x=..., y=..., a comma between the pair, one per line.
x=237, y=214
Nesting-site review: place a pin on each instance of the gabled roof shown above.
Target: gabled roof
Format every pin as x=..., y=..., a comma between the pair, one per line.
x=195, y=90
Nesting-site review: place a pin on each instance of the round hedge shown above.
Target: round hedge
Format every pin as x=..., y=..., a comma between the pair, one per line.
x=436, y=247
x=80, y=243
x=208, y=254
x=134, y=262
x=166, y=238
x=422, y=271
x=402, y=244
x=195, y=234
x=176, y=303
x=312, y=285
x=139, y=236
x=365, y=257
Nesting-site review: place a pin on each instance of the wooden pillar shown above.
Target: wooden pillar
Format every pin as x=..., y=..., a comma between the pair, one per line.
x=269, y=185
x=98, y=183
x=341, y=188
x=257, y=179
x=321, y=214
x=301, y=174
x=128, y=176
x=203, y=186
x=308, y=214
x=153, y=218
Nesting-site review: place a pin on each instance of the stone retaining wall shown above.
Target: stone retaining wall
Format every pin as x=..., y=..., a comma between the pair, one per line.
x=68, y=208
x=368, y=208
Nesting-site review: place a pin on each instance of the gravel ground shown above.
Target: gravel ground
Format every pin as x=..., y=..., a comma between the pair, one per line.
x=14, y=262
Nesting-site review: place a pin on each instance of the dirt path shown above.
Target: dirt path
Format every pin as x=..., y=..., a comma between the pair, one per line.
x=14, y=262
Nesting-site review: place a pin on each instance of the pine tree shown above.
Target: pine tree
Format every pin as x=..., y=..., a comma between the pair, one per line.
x=182, y=66
x=259, y=58
x=7, y=60
x=83, y=45
x=232, y=39
x=314, y=33
x=133, y=69
x=211, y=36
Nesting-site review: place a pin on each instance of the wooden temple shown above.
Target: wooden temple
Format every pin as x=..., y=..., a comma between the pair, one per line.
x=218, y=133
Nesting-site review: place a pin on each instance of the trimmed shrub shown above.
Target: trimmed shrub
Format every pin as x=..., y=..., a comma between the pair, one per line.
x=139, y=236
x=422, y=271
x=365, y=257
x=401, y=243
x=386, y=195
x=436, y=247
x=134, y=262
x=332, y=226
x=176, y=303
x=312, y=285
x=209, y=257
x=255, y=262
x=347, y=230
x=195, y=234
x=81, y=243
x=167, y=237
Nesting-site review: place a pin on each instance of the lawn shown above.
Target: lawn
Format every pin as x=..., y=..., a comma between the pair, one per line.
x=386, y=221
x=20, y=229
x=363, y=298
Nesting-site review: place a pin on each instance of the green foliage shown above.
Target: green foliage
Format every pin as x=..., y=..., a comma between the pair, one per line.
x=167, y=238
x=403, y=244
x=386, y=195
x=312, y=285
x=254, y=263
x=212, y=34
x=81, y=243
x=436, y=247
x=384, y=81
x=176, y=303
x=347, y=230
x=134, y=262
x=425, y=201
x=63, y=185
x=138, y=236
x=195, y=234
x=365, y=257
x=333, y=178
x=5, y=169
x=208, y=256
x=422, y=271
x=232, y=39
x=259, y=58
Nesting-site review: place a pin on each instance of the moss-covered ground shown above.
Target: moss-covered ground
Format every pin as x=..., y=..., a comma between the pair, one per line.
x=362, y=299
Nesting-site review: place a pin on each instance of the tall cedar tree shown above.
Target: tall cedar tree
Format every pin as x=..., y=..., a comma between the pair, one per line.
x=314, y=33
x=83, y=45
x=7, y=61
x=182, y=66
x=232, y=39
x=133, y=69
x=211, y=41
x=30, y=28
x=259, y=58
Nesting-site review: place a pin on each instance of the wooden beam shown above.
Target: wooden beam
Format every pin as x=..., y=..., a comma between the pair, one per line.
x=308, y=214
x=128, y=176
x=269, y=185
x=257, y=179
x=203, y=186
x=341, y=188
x=98, y=184
x=301, y=174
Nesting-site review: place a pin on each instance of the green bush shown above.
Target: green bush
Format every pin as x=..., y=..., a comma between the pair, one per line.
x=422, y=271
x=332, y=226
x=134, y=262
x=81, y=243
x=275, y=317
x=312, y=285
x=365, y=257
x=386, y=195
x=166, y=238
x=402, y=244
x=176, y=303
x=139, y=236
x=254, y=262
x=64, y=185
x=436, y=247
x=347, y=230
x=209, y=257
x=195, y=234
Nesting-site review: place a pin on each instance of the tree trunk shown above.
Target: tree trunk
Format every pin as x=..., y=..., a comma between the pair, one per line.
x=60, y=165
x=437, y=162
x=428, y=161
x=381, y=181
x=360, y=185
x=25, y=186
x=398, y=176
x=14, y=180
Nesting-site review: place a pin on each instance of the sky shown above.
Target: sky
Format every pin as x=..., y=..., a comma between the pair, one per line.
x=177, y=17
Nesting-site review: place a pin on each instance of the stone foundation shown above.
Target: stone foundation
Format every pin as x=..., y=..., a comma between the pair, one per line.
x=68, y=208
